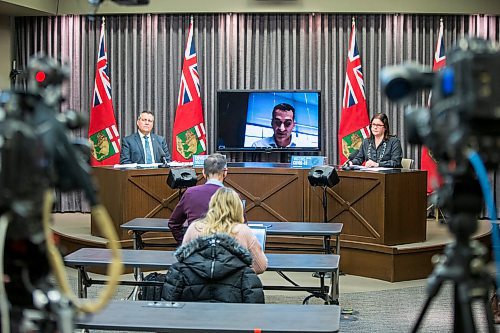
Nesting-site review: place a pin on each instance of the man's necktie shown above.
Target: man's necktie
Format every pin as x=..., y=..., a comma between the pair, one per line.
x=149, y=159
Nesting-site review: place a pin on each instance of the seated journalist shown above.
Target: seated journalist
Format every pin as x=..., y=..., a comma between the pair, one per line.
x=219, y=258
x=381, y=149
x=144, y=147
x=194, y=202
x=283, y=123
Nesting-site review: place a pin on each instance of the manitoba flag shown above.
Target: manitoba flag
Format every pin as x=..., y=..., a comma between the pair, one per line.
x=189, y=136
x=428, y=163
x=103, y=134
x=354, y=121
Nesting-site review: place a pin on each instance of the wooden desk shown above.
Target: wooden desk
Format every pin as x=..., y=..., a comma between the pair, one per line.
x=213, y=317
x=159, y=260
x=273, y=192
x=133, y=193
x=386, y=208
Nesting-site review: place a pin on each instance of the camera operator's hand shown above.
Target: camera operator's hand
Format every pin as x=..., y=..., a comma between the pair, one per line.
x=371, y=164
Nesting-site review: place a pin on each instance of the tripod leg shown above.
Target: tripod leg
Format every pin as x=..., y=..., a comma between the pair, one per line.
x=463, y=309
x=489, y=314
x=422, y=313
x=435, y=281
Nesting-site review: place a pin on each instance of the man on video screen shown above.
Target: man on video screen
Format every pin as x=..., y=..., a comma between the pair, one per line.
x=283, y=123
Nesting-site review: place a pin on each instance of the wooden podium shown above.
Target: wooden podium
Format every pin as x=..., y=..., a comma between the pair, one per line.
x=273, y=192
x=384, y=208
x=128, y=194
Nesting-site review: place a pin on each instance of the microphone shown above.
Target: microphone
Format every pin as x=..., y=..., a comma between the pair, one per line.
x=163, y=161
x=351, y=156
x=163, y=157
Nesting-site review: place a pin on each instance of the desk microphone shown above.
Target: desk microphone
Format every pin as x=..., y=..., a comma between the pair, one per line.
x=163, y=159
x=352, y=156
x=163, y=156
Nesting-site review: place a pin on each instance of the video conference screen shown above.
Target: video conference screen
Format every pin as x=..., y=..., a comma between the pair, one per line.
x=260, y=120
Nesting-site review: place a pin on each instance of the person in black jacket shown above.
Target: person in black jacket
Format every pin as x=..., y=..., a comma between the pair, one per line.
x=381, y=149
x=213, y=268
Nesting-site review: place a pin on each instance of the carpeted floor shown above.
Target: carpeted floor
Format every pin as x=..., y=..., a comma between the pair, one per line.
x=382, y=311
x=396, y=311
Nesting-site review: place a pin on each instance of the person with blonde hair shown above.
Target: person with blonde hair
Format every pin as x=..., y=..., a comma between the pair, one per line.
x=221, y=252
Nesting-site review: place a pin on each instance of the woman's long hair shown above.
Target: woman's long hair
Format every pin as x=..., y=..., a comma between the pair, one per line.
x=224, y=210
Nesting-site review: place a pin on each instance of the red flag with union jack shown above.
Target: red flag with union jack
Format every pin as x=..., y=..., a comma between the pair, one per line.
x=103, y=134
x=428, y=163
x=189, y=137
x=354, y=121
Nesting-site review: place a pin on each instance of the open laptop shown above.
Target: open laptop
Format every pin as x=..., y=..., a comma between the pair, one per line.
x=260, y=232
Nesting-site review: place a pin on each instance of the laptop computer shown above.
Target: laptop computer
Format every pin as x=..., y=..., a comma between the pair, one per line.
x=260, y=232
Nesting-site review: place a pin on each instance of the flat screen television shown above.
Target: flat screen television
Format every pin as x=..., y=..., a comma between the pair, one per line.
x=245, y=120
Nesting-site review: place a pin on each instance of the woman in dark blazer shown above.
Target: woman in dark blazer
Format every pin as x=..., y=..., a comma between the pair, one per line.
x=381, y=149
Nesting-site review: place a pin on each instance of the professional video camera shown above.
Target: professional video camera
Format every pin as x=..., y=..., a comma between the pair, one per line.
x=36, y=156
x=461, y=129
x=464, y=106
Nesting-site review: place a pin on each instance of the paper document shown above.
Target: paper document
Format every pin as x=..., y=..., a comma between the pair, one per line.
x=137, y=166
x=125, y=166
x=180, y=164
x=148, y=166
x=375, y=169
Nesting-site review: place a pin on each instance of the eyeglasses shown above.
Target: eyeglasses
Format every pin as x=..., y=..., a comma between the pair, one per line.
x=377, y=125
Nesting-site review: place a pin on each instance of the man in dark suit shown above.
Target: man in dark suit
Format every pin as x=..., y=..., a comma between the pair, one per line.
x=144, y=147
x=194, y=202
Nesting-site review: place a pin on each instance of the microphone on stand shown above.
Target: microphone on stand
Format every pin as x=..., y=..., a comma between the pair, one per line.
x=352, y=156
x=163, y=156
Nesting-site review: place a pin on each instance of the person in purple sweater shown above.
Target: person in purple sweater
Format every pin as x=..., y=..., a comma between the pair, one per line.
x=194, y=202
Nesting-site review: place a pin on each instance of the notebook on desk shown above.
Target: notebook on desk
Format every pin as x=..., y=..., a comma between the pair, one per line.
x=260, y=232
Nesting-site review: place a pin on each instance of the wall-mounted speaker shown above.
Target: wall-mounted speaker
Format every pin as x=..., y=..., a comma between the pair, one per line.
x=323, y=175
x=181, y=178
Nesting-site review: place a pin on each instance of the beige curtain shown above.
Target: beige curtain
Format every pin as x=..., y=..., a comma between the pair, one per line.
x=238, y=51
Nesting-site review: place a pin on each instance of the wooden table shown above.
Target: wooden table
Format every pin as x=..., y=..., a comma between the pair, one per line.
x=182, y=317
x=321, y=263
x=139, y=226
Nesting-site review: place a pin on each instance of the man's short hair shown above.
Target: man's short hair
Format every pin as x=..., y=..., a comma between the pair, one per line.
x=214, y=164
x=284, y=107
x=146, y=111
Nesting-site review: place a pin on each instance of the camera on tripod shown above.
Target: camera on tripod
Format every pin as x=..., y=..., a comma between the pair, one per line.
x=465, y=105
x=36, y=156
x=461, y=131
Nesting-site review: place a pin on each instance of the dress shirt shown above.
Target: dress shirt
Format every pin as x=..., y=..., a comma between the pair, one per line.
x=271, y=143
x=150, y=145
